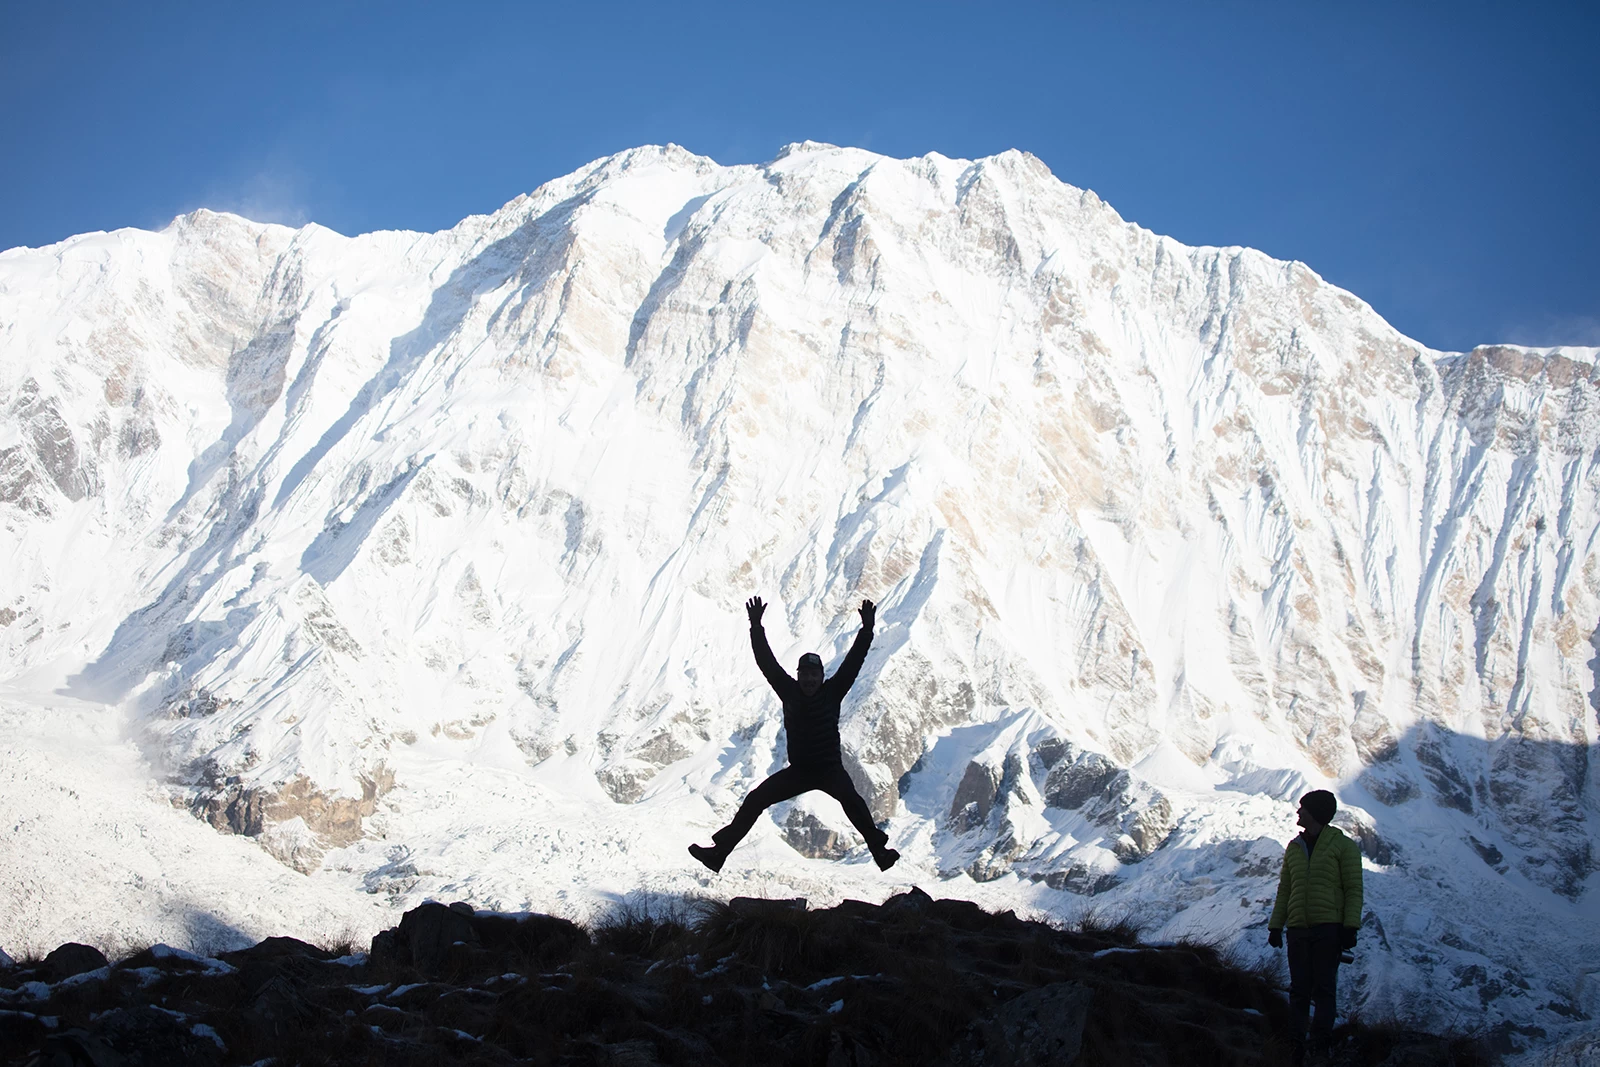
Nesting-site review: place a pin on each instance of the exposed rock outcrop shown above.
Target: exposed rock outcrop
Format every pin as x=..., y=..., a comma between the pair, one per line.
x=71, y=959
x=321, y=819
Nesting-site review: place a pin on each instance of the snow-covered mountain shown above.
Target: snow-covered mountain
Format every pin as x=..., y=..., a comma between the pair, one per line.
x=419, y=558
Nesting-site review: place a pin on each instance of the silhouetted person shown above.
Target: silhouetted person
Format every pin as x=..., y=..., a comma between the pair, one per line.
x=811, y=718
x=1319, y=898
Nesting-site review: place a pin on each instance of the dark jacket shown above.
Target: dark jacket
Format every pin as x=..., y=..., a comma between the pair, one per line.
x=812, y=722
x=1319, y=883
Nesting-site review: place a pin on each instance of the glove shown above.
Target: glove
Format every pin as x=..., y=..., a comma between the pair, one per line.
x=1275, y=938
x=753, y=608
x=1349, y=939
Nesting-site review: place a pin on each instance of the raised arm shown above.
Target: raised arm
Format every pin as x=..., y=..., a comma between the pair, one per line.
x=845, y=676
x=780, y=681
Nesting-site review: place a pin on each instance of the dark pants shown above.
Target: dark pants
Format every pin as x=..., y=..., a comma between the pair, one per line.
x=1313, y=977
x=791, y=782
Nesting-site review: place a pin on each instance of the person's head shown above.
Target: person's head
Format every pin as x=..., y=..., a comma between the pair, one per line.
x=1316, y=809
x=810, y=673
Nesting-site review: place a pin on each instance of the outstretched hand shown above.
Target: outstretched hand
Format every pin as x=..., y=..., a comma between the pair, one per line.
x=753, y=608
x=869, y=613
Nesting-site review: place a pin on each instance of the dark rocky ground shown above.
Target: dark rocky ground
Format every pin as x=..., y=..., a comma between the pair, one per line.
x=914, y=981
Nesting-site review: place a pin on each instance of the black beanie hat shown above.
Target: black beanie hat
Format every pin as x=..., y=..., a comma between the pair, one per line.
x=812, y=659
x=1320, y=805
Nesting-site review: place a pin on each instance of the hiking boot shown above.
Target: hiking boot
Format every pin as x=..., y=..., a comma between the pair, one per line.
x=885, y=858
x=711, y=857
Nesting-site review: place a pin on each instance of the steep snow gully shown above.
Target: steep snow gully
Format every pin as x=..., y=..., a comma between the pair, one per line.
x=417, y=559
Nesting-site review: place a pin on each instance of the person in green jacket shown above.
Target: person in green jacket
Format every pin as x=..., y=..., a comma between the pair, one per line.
x=1319, y=900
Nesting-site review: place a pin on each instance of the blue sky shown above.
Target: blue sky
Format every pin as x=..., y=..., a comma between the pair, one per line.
x=1439, y=160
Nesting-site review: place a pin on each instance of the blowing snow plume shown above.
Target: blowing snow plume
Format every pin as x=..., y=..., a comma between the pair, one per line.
x=419, y=558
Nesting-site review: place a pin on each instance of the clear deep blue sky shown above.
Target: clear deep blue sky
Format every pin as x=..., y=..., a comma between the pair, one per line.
x=1439, y=160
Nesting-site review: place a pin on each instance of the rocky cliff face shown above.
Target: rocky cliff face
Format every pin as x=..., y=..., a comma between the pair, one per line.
x=1161, y=535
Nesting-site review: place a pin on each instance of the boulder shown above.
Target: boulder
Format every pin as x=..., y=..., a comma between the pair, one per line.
x=542, y=940
x=385, y=947
x=78, y=1048
x=427, y=931
x=1042, y=1026
x=912, y=900
x=167, y=958
x=130, y=1037
x=763, y=908
x=277, y=1007
x=278, y=948
x=73, y=958
x=21, y=1029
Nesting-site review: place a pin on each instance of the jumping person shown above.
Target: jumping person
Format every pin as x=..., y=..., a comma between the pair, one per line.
x=1319, y=897
x=811, y=718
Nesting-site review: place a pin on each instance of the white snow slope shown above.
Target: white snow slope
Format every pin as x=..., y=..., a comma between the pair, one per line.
x=419, y=559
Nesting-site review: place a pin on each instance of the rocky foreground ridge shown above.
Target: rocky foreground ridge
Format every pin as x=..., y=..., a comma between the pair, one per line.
x=912, y=981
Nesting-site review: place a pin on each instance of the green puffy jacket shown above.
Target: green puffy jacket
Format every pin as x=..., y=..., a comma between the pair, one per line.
x=1321, y=884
